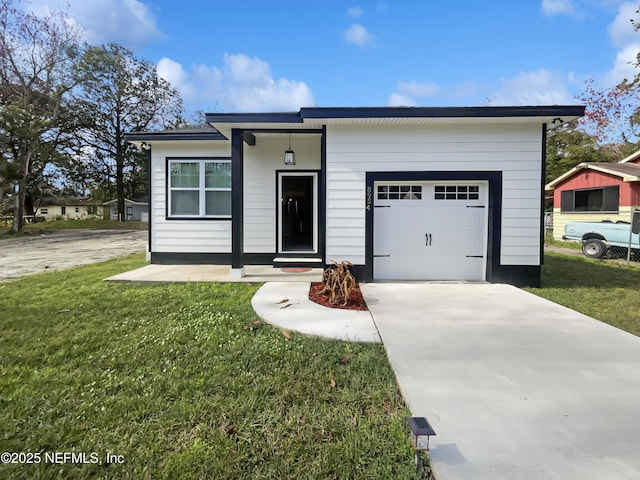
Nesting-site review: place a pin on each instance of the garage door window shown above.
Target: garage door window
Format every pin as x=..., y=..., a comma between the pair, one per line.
x=399, y=192
x=457, y=192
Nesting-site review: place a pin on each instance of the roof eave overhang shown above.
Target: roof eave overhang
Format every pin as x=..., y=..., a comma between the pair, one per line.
x=587, y=166
x=147, y=137
x=315, y=117
x=624, y=176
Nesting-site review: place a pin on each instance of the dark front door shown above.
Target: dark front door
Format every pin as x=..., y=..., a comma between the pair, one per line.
x=296, y=215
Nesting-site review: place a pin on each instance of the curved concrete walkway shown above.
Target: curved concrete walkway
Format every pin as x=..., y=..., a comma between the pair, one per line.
x=287, y=305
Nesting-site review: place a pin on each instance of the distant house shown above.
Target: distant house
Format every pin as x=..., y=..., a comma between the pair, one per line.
x=591, y=192
x=70, y=209
x=137, y=209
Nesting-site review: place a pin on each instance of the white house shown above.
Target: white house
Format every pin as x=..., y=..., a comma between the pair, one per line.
x=136, y=209
x=450, y=193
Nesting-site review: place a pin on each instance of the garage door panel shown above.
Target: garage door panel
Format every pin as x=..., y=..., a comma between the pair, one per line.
x=425, y=215
x=438, y=236
x=448, y=268
x=419, y=242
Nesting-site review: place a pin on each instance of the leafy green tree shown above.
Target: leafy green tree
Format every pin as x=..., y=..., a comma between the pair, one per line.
x=122, y=94
x=567, y=146
x=37, y=75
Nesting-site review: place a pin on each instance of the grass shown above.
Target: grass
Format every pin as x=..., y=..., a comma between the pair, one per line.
x=183, y=381
x=604, y=290
x=549, y=241
x=92, y=223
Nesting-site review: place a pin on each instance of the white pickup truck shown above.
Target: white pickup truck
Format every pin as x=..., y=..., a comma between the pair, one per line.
x=598, y=237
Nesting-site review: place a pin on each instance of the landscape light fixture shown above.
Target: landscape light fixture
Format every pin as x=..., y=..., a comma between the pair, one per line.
x=289, y=155
x=421, y=430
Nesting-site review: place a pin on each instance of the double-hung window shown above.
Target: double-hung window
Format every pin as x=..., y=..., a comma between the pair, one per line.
x=200, y=188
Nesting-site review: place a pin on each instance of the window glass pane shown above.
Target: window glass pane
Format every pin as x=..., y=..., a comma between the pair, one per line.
x=566, y=201
x=185, y=203
x=185, y=175
x=218, y=203
x=217, y=175
x=611, y=199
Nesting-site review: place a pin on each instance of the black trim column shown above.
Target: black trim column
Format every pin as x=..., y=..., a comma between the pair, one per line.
x=322, y=195
x=237, y=197
x=149, y=216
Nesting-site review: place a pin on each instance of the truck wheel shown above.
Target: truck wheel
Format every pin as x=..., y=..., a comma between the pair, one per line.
x=593, y=248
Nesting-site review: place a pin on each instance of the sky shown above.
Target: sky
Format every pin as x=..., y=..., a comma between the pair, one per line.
x=281, y=55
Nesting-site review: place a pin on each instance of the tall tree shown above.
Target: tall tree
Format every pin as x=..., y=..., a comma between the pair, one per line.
x=567, y=146
x=37, y=57
x=122, y=94
x=613, y=114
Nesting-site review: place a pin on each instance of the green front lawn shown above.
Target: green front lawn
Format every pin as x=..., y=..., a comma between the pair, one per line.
x=607, y=291
x=183, y=381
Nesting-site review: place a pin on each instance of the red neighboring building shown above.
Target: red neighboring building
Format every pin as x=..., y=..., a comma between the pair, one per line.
x=591, y=192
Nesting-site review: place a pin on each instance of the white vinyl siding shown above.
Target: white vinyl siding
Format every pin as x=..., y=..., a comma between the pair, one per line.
x=260, y=165
x=514, y=149
x=189, y=235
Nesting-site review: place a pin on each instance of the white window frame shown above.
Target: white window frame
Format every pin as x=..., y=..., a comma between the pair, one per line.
x=201, y=189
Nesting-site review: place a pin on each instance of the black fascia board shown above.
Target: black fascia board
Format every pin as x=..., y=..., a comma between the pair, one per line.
x=443, y=112
x=558, y=111
x=276, y=117
x=175, y=135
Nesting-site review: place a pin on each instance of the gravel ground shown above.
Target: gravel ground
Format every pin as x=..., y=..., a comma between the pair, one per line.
x=65, y=249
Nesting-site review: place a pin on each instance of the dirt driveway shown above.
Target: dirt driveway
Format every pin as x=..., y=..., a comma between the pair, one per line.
x=65, y=249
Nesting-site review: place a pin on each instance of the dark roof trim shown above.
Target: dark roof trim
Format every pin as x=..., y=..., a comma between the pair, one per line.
x=398, y=112
x=187, y=134
x=442, y=112
x=277, y=117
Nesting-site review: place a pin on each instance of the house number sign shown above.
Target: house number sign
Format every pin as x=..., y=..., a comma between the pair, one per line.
x=369, y=198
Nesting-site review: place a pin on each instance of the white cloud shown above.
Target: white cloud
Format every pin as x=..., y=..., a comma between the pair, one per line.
x=399, y=100
x=409, y=94
x=627, y=41
x=621, y=29
x=358, y=35
x=540, y=87
x=558, y=7
x=241, y=84
x=354, y=12
x=624, y=66
x=127, y=22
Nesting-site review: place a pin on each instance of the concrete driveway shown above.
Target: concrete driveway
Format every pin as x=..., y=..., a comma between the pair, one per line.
x=516, y=387
x=65, y=249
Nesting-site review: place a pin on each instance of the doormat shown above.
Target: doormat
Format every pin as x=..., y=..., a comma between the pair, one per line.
x=295, y=269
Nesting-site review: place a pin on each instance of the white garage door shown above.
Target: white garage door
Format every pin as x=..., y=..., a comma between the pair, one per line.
x=430, y=230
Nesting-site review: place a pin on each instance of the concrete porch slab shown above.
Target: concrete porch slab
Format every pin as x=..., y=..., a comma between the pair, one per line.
x=213, y=273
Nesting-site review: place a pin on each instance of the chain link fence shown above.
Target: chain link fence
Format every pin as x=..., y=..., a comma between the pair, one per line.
x=626, y=246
